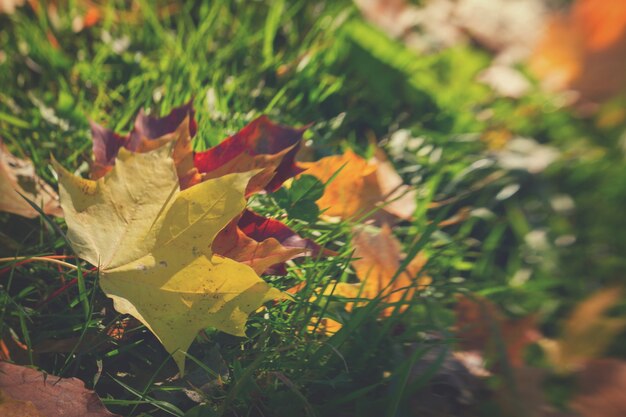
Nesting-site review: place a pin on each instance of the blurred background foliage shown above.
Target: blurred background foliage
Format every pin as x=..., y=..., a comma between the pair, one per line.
x=539, y=177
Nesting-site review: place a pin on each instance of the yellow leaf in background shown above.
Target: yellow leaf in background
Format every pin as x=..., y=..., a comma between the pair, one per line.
x=587, y=332
x=152, y=243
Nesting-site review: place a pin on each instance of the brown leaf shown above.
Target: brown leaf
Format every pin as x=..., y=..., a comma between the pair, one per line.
x=378, y=259
x=14, y=408
x=399, y=198
x=149, y=133
x=362, y=187
x=587, y=332
x=601, y=390
x=18, y=176
x=35, y=394
x=481, y=326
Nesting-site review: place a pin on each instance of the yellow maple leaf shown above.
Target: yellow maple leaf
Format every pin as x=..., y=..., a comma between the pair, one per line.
x=152, y=244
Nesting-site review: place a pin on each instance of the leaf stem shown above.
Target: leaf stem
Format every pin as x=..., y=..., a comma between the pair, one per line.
x=54, y=260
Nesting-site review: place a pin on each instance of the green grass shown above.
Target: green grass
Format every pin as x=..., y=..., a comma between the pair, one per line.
x=298, y=62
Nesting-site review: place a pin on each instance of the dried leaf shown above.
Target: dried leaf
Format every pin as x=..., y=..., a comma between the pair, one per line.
x=481, y=326
x=587, y=332
x=152, y=243
x=585, y=50
x=378, y=259
x=260, y=144
x=362, y=187
x=233, y=243
x=272, y=245
x=148, y=133
x=261, y=228
x=400, y=199
x=18, y=176
x=601, y=389
x=264, y=244
x=9, y=6
x=324, y=326
x=26, y=392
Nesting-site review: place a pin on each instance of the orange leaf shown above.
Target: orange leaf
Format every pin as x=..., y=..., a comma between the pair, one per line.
x=264, y=244
x=602, y=21
x=585, y=50
x=361, y=187
x=232, y=243
x=378, y=259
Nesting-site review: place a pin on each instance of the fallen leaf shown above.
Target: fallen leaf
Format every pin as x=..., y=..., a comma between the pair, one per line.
x=273, y=243
x=604, y=22
x=9, y=6
x=601, y=389
x=324, y=326
x=260, y=144
x=399, y=199
x=148, y=127
x=261, y=228
x=378, y=257
x=152, y=244
x=510, y=28
x=362, y=187
x=584, y=50
x=26, y=392
x=481, y=326
x=587, y=332
x=264, y=244
x=18, y=176
x=149, y=133
x=233, y=243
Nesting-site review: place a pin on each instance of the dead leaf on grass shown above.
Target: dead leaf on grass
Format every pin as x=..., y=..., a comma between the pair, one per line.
x=26, y=392
x=362, y=187
x=152, y=244
x=19, y=176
